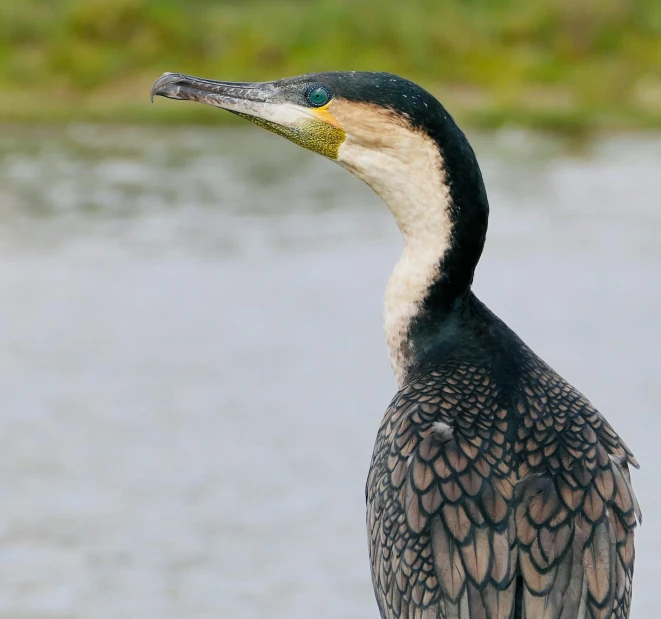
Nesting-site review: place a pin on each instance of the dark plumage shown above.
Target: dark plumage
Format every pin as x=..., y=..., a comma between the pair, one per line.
x=520, y=502
x=496, y=490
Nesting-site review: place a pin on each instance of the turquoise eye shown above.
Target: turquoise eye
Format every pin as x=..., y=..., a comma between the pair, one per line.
x=318, y=96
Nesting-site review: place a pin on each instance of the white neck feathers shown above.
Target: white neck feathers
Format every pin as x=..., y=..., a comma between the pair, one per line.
x=405, y=168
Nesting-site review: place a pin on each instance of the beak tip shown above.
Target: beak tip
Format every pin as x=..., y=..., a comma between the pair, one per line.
x=158, y=88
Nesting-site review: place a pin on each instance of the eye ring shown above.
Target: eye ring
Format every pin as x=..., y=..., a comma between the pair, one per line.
x=318, y=95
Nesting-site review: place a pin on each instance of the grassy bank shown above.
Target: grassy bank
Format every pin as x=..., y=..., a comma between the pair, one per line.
x=545, y=63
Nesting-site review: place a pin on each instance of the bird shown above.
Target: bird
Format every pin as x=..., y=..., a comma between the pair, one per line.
x=496, y=489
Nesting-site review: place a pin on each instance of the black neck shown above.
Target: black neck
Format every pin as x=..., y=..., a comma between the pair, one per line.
x=468, y=215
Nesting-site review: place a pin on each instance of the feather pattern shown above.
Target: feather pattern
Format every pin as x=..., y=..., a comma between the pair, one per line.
x=499, y=495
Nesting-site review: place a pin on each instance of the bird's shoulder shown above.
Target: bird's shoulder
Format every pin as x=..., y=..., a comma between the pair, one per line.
x=489, y=464
x=511, y=409
x=484, y=381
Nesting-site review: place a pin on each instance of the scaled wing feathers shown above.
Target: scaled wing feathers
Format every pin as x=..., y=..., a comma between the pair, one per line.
x=475, y=511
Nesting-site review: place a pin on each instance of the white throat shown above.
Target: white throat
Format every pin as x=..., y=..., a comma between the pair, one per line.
x=405, y=168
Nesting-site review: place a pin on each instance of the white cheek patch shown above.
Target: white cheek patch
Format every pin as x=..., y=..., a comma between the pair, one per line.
x=283, y=114
x=404, y=167
x=286, y=115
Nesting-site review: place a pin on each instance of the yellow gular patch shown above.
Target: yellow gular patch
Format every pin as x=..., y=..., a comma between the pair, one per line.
x=319, y=136
x=324, y=114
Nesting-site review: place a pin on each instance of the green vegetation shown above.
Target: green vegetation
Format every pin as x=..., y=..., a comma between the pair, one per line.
x=550, y=63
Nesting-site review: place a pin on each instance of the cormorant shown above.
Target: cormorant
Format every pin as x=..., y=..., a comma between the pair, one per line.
x=496, y=489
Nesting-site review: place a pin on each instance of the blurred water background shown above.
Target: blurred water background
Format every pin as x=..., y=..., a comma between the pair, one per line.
x=193, y=369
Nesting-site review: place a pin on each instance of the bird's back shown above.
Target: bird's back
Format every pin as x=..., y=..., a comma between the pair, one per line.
x=497, y=490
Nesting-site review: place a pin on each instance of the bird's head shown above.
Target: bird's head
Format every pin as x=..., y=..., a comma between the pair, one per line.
x=386, y=130
x=396, y=137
